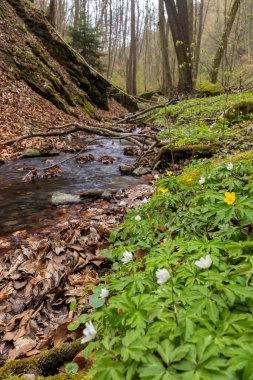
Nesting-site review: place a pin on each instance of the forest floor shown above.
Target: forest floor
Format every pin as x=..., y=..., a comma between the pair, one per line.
x=46, y=271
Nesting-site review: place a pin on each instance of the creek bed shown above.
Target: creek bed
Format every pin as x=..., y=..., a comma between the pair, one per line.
x=26, y=205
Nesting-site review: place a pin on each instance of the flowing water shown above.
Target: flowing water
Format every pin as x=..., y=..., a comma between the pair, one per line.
x=26, y=205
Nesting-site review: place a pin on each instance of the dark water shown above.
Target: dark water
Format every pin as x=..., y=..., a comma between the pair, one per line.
x=26, y=205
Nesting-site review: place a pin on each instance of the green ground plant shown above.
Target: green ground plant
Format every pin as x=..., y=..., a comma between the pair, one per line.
x=179, y=302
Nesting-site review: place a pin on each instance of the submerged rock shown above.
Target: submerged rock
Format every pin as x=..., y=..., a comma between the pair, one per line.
x=31, y=152
x=63, y=198
x=142, y=170
x=126, y=169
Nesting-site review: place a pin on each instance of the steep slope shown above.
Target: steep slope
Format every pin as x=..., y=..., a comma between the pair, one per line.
x=31, y=50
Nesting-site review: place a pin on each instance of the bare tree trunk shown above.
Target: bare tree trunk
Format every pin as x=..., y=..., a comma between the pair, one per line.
x=224, y=41
x=179, y=24
x=51, y=15
x=167, y=81
x=133, y=53
x=198, y=40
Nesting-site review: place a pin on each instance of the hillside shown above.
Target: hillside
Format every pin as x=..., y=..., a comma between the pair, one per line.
x=43, y=81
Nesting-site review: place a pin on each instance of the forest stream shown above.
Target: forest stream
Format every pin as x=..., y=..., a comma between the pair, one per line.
x=26, y=205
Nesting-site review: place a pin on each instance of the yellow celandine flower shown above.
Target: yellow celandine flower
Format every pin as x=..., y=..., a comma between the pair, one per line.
x=169, y=173
x=234, y=110
x=230, y=198
x=189, y=179
x=162, y=190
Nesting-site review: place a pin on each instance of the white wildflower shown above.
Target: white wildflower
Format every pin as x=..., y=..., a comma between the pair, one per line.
x=137, y=218
x=230, y=166
x=162, y=276
x=122, y=203
x=104, y=293
x=89, y=332
x=202, y=180
x=156, y=176
x=145, y=200
x=127, y=257
x=204, y=262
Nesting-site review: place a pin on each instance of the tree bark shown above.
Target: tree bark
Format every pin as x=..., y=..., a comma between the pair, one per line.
x=51, y=15
x=167, y=80
x=224, y=41
x=179, y=24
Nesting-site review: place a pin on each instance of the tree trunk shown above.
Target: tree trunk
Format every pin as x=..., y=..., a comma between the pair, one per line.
x=52, y=12
x=224, y=41
x=167, y=81
x=198, y=41
x=132, y=58
x=179, y=24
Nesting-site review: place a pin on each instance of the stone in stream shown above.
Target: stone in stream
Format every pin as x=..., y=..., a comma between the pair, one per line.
x=126, y=169
x=31, y=152
x=63, y=198
x=142, y=170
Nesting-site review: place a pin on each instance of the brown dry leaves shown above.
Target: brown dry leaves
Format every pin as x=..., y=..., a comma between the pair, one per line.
x=46, y=272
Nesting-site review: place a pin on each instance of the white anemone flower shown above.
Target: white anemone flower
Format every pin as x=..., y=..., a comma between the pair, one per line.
x=127, y=257
x=156, y=176
x=89, y=332
x=104, y=293
x=145, y=200
x=230, y=166
x=137, y=218
x=122, y=203
x=202, y=180
x=204, y=262
x=162, y=276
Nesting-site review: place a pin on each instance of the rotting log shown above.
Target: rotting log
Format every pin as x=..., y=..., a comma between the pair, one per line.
x=44, y=364
x=172, y=153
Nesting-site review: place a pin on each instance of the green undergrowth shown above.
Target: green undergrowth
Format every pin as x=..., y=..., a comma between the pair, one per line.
x=200, y=120
x=198, y=323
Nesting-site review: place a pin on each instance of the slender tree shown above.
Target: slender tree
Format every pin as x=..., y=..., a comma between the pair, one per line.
x=224, y=41
x=167, y=81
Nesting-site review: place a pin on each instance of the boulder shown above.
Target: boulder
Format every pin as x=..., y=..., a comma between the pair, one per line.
x=63, y=198
x=142, y=170
x=126, y=169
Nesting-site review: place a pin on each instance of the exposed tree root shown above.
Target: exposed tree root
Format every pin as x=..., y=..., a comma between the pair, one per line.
x=44, y=364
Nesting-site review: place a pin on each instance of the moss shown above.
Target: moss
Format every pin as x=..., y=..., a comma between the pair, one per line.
x=174, y=153
x=46, y=363
x=208, y=88
x=61, y=376
x=195, y=173
x=129, y=103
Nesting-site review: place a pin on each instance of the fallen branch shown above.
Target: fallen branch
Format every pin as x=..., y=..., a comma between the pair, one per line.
x=143, y=112
x=134, y=138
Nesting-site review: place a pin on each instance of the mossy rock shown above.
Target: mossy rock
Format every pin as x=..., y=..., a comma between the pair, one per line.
x=208, y=88
x=44, y=364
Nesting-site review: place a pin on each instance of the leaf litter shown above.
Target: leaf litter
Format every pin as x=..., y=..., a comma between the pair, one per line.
x=43, y=272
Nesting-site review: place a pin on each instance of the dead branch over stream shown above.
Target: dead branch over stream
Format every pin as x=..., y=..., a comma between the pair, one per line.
x=137, y=139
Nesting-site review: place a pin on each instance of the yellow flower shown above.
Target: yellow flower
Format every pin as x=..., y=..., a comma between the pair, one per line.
x=189, y=179
x=229, y=198
x=169, y=173
x=233, y=110
x=162, y=190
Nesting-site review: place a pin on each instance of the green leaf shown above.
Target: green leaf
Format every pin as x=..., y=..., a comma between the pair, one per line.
x=96, y=301
x=73, y=326
x=71, y=368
